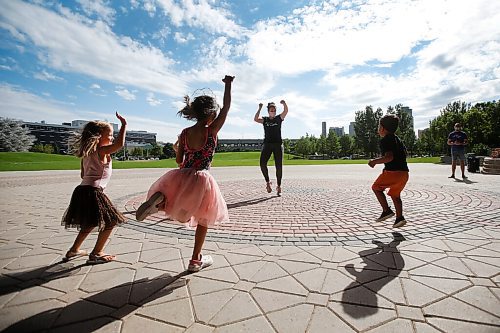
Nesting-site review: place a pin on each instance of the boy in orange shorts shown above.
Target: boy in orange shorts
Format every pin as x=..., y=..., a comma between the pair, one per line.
x=395, y=173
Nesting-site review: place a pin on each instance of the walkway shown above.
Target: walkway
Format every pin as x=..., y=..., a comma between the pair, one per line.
x=309, y=261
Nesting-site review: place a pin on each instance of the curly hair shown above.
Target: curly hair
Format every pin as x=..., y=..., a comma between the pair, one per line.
x=200, y=108
x=390, y=122
x=85, y=143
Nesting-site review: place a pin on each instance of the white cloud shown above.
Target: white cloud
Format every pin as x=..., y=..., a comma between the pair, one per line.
x=152, y=100
x=183, y=38
x=98, y=8
x=95, y=86
x=91, y=48
x=18, y=103
x=45, y=76
x=125, y=94
x=201, y=15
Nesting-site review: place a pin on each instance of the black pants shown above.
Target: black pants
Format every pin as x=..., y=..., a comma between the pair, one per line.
x=277, y=150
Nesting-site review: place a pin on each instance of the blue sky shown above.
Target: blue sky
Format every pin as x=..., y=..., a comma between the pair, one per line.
x=66, y=60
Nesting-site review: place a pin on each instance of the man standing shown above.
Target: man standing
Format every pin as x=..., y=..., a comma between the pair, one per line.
x=457, y=140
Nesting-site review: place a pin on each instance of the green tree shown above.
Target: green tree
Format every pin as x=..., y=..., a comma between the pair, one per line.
x=406, y=130
x=333, y=145
x=366, y=128
x=14, y=137
x=322, y=146
x=302, y=147
x=168, y=150
x=345, y=145
x=156, y=150
x=441, y=126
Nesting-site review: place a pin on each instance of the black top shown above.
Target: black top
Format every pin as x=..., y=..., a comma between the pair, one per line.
x=391, y=142
x=272, y=129
x=457, y=137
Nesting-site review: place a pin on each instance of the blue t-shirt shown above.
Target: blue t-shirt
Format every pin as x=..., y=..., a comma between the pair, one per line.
x=457, y=137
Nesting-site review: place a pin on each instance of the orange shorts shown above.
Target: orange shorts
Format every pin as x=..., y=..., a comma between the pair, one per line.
x=394, y=180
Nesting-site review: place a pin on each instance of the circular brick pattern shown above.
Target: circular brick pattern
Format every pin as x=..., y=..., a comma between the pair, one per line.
x=329, y=211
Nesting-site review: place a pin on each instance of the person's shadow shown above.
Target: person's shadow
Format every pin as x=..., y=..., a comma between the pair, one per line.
x=387, y=255
x=36, y=277
x=249, y=202
x=103, y=308
x=464, y=180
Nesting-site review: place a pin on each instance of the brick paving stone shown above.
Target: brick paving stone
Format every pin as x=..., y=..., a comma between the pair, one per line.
x=317, y=264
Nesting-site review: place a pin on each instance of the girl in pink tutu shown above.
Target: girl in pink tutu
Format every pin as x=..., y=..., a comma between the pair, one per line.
x=190, y=194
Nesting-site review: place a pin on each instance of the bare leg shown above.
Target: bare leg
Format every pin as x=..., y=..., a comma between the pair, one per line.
x=102, y=238
x=82, y=235
x=453, y=167
x=398, y=205
x=199, y=239
x=382, y=200
x=462, y=167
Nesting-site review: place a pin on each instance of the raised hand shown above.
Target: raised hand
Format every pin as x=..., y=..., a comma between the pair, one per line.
x=228, y=79
x=261, y=105
x=122, y=120
x=283, y=102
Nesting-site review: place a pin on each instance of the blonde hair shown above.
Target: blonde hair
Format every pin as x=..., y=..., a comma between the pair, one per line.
x=86, y=143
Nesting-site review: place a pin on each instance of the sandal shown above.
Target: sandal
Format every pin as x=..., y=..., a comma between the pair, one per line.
x=278, y=190
x=95, y=259
x=268, y=187
x=150, y=206
x=70, y=255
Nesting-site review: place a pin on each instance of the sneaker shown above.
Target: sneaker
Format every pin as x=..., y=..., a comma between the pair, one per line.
x=400, y=221
x=385, y=215
x=150, y=206
x=268, y=187
x=197, y=265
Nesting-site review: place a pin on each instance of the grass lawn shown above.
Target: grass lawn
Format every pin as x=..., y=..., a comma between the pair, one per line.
x=40, y=161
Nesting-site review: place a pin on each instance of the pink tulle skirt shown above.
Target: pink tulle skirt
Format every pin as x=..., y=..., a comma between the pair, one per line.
x=192, y=197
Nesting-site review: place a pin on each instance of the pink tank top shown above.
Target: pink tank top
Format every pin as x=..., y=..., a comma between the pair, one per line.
x=96, y=173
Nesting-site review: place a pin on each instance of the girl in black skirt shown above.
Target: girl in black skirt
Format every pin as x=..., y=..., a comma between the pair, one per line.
x=90, y=207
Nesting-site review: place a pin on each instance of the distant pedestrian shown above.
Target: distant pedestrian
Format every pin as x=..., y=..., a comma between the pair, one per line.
x=395, y=173
x=273, y=143
x=457, y=140
x=89, y=206
x=190, y=194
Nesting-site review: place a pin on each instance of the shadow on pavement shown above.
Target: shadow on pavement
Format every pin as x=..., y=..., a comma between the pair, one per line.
x=37, y=276
x=359, y=301
x=249, y=202
x=103, y=308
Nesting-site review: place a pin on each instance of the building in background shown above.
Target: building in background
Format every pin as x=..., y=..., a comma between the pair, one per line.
x=59, y=135
x=339, y=131
x=421, y=132
x=352, y=132
x=323, y=128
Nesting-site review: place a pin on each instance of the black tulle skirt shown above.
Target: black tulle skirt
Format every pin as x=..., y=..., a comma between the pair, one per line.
x=89, y=208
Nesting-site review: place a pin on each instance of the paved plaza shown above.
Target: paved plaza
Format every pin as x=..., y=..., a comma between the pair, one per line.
x=311, y=260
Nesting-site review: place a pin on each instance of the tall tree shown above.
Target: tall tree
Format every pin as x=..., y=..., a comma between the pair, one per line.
x=366, y=128
x=345, y=145
x=406, y=130
x=14, y=137
x=332, y=143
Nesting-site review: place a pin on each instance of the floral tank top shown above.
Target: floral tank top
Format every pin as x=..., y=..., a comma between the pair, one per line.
x=200, y=159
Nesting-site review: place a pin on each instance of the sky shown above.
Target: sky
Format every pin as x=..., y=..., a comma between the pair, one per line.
x=86, y=59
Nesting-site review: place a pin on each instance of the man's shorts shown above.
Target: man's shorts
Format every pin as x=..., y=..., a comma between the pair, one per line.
x=395, y=181
x=458, y=155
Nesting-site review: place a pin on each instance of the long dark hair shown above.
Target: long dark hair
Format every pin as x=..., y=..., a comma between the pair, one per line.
x=200, y=108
